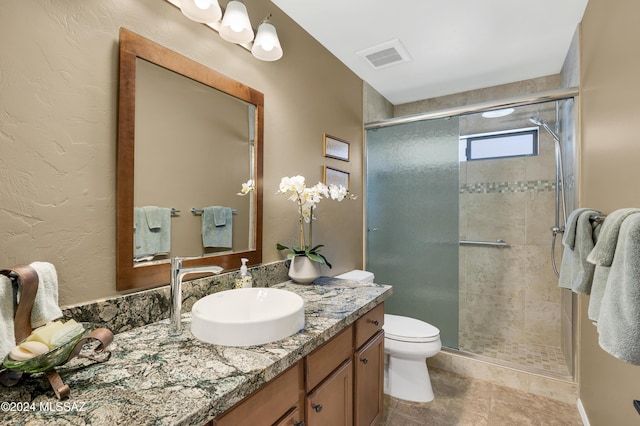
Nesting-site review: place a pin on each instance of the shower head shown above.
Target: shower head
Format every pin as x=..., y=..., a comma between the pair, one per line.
x=543, y=124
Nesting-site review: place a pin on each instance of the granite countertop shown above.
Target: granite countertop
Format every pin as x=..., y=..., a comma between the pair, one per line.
x=156, y=379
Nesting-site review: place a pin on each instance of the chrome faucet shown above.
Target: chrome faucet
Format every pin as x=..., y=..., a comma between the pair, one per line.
x=178, y=272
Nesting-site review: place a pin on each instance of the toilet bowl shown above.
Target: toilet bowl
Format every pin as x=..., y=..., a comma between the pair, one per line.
x=408, y=342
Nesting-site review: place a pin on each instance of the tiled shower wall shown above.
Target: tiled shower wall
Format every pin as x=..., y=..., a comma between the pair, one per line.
x=510, y=292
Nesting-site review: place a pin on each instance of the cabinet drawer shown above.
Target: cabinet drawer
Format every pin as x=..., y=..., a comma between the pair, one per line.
x=293, y=418
x=325, y=359
x=369, y=324
x=268, y=404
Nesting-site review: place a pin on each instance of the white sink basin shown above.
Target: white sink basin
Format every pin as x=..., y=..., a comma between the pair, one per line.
x=247, y=316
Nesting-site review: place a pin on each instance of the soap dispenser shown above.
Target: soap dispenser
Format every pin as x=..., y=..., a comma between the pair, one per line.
x=244, y=281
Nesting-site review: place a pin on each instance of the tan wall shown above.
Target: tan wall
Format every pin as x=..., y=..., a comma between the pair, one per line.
x=609, y=105
x=58, y=109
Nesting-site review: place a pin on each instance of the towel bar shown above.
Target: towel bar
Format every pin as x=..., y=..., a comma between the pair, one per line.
x=174, y=211
x=598, y=218
x=497, y=243
x=199, y=211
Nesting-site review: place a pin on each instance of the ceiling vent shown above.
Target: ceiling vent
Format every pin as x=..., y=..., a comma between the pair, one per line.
x=385, y=54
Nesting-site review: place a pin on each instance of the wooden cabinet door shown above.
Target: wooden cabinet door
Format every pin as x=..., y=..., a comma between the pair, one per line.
x=369, y=377
x=331, y=403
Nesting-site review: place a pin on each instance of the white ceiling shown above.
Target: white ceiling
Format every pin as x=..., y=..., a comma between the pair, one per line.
x=454, y=45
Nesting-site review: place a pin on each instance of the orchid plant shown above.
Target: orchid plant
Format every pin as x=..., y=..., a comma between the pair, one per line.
x=307, y=200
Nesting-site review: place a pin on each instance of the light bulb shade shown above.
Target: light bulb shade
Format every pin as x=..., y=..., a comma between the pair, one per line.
x=235, y=26
x=203, y=11
x=266, y=46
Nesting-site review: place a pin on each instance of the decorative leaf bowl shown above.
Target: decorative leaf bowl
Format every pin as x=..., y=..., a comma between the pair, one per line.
x=48, y=360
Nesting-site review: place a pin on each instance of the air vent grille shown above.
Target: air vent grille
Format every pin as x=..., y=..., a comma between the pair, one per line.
x=384, y=57
x=385, y=54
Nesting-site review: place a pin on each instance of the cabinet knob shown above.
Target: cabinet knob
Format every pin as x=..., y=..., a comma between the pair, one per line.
x=364, y=360
x=296, y=423
x=316, y=407
x=375, y=322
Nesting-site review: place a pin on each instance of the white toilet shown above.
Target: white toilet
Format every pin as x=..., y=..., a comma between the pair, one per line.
x=408, y=343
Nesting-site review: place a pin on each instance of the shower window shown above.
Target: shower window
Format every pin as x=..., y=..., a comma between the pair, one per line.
x=518, y=143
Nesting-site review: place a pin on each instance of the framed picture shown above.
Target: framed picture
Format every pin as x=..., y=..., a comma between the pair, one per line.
x=336, y=148
x=335, y=177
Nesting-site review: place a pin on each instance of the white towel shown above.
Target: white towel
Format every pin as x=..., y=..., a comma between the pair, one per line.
x=45, y=306
x=7, y=337
x=619, y=316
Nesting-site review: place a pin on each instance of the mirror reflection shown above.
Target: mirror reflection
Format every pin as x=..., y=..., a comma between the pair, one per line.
x=188, y=137
x=193, y=149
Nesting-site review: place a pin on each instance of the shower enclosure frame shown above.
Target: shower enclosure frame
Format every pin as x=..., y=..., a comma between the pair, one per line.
x=530, y=99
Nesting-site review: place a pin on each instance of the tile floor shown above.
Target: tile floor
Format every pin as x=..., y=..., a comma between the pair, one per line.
x=470, y=402
x=545, y=358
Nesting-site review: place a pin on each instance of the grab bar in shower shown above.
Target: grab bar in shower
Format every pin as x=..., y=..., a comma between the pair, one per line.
x=497, y=243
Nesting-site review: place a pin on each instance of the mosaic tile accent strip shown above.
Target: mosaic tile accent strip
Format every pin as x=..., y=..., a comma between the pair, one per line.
x=506, y=187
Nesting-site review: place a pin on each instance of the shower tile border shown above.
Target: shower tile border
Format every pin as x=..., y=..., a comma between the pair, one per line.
x=508, y=187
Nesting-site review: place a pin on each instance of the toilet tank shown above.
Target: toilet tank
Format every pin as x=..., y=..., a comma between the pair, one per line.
x=357, y=275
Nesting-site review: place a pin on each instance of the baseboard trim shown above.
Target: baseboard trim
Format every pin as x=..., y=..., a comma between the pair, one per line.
x=583, y=414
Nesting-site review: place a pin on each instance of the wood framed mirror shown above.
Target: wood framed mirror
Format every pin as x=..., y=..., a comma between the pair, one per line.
x=169, y=155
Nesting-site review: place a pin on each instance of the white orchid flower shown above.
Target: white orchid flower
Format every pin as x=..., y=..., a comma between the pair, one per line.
x=247, y=187
x=307, y=200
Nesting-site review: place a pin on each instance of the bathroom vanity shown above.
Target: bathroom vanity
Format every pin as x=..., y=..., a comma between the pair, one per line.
x=329, y=373
x=340, y=383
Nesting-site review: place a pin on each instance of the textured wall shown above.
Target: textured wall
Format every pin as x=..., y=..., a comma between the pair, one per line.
x=58, y=124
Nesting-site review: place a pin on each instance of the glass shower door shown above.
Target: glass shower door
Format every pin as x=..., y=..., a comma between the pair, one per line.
x=412, y=219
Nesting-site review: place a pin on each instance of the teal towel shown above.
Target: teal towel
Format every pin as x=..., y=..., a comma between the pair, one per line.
x=578, y=240
x=619, y=317
x=602, y=257
x=155, y=216
x=151, y=239
x=219, y=215
x=217, y=235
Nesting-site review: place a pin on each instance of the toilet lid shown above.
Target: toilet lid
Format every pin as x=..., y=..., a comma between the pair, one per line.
x=409, y=329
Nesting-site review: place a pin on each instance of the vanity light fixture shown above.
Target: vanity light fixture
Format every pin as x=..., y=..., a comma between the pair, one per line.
x=203, y=11
x=266, y=46
x=235, y=26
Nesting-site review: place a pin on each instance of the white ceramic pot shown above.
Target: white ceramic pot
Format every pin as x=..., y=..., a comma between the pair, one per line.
x=304, y=270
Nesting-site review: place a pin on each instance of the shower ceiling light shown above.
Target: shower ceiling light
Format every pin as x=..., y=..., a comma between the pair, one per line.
x=203, y=11
x=235, y=26
x=497, y=113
